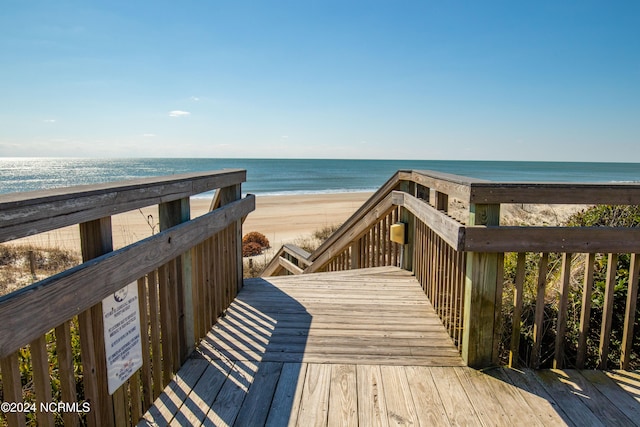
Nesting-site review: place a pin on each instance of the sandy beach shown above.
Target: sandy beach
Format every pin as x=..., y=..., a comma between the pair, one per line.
x=282, y=219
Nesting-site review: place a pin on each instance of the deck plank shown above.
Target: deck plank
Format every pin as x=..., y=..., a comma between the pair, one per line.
x=286, y=400
x=482, y=397
x=429, y=408
x=589, y=394
x=536, y=396
x=401, y=410
x=225, y=408
x=168, y=403
x=194, y=409
x=365, y=347
x=372, y=409
x=457, y=405
x=567, y=397
x=256, y=405
x=343, y=396
x=314, y=403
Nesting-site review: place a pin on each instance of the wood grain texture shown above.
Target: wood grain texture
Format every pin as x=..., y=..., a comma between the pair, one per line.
x=258, y=370
x=630, y=310
x=343, y=397
x=607, y=312
x=25, y=214
x=62, y=296
x=555, y=193
x=552, y=239
x=561, y=324
x=585, y=312
x=66, y=371
x=41, y=379
x=12, y=388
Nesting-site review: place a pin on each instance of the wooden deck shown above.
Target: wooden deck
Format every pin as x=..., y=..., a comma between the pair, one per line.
x=364, y=347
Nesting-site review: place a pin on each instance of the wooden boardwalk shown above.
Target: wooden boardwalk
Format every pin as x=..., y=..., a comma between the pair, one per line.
x=364, y=347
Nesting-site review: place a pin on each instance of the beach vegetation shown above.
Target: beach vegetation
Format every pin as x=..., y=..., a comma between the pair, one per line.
x=254, y=243
x=251, y=249
x=21, y=265
x=610, y=216
x=254, y=266
x=325, y=232
x=312, y=242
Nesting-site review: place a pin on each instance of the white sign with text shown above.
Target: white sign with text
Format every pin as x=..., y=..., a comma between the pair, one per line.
x=122, y=343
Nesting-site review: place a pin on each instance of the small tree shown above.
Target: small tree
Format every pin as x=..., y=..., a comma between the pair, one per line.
x=254, y=243
x=256, y=237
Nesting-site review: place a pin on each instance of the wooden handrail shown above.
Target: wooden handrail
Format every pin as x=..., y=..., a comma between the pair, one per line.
x=551, y=239
x=373, y=201
x=28, y=213
x=276, y=262
x=186, y=276
x=461, y=266
x=353, y=231
x=60, y=297
x=456, y=186
x=524, y=238
x=556, y=193
x=446, y=227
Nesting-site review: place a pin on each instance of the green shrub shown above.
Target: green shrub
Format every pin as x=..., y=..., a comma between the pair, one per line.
x=610, y=216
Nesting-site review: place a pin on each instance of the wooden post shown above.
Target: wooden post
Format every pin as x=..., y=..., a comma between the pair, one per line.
x=408, y=218
x=228, y=195
x=481, y=300
x=629, y=316
x=96, y=240
x=355, y=254
x=607, y=313
x=32, y=265
x=171, y=214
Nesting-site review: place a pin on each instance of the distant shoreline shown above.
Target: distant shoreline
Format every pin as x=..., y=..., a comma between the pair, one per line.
x=297, y=176
x=281, y=218
x=284, y=219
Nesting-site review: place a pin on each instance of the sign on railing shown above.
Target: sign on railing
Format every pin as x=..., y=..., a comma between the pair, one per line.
x=122, y=345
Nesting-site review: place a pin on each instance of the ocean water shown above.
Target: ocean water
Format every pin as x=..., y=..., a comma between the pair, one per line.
x=296, y=176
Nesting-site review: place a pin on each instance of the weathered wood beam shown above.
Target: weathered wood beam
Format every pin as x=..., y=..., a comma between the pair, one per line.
x=363, y=211
x=28, y=213
x=450, y=230
x=64, y=295
x=289, y=266
x=555, y=193
x=481, y=299
x=456, y=186
x=552, y=239
x=95, y=240
x=342, y=239
x=171, y=214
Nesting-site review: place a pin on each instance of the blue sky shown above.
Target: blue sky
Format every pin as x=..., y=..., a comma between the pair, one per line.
x=494, y=80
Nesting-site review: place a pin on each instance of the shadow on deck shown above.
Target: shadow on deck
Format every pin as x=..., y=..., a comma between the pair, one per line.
x=364, y=347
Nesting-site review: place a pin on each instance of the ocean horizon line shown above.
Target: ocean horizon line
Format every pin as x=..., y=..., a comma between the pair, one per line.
x=297, y=176
x=120, y=158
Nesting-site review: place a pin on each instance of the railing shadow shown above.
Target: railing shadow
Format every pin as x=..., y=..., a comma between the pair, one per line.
x=247, y=368
x=577, y=397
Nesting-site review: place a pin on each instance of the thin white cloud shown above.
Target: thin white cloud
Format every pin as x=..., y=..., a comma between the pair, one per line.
x=49, y=120
x=178, y=113
x=194, y=98
x=149, y=135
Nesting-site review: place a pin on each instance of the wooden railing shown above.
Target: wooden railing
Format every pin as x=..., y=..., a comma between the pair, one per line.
x=461, y=265
x=186, y=275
